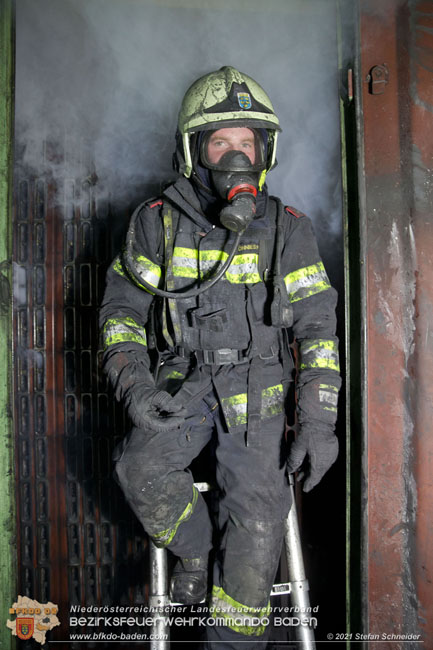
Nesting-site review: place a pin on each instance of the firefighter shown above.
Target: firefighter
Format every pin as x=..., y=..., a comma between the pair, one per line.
x=213, y=274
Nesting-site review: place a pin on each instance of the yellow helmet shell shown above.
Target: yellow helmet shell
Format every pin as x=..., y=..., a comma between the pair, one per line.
x=226, y=98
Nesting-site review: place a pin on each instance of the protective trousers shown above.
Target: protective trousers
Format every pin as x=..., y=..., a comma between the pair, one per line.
x=255, y=499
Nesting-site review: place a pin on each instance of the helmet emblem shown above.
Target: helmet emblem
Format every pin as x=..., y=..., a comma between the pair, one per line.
x=244, y=100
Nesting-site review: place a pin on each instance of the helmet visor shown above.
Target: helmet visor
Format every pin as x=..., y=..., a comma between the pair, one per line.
x=215, y=144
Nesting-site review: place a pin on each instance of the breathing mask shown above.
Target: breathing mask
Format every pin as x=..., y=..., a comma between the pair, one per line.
x=236, y=158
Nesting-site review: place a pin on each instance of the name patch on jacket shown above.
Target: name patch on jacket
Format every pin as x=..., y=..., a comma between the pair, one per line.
x=248, y=247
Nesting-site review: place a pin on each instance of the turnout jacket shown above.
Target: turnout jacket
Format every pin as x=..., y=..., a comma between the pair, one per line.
x=223, y=337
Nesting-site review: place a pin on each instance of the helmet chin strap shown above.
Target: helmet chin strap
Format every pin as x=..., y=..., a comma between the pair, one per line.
x=262, y=179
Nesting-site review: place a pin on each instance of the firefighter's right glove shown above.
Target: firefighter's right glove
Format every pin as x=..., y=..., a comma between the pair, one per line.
x=150, y=408
x=322, y=449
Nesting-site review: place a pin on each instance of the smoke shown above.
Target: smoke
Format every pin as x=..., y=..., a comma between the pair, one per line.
x=99, y=84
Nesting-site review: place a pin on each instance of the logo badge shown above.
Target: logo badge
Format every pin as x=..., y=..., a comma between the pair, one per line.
x=244, y=100
x=33, y=619
x=25, y=627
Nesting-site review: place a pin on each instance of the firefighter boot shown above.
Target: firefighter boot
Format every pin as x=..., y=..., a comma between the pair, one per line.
x=189, y=581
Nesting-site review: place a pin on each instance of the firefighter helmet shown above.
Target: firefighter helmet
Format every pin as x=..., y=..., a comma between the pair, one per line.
x=225, y=98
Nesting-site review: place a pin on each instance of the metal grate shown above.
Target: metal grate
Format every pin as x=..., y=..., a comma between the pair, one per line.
x=78, y=542
x=31, y=386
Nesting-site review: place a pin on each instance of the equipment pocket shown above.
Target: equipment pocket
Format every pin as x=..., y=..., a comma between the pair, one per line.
x=259, y=300
x=211, y=321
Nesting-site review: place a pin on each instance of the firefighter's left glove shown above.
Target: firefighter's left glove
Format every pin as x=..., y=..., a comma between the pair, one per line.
x=322, y=449
x=150, y=408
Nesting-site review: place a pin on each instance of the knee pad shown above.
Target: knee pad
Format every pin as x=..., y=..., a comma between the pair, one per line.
x=251, y=552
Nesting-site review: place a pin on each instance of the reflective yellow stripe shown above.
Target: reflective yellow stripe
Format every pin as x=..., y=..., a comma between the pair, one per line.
x=319, y=353
x=117, y=266
x=328, y=387
x=309, y=345
x=180, y=251
x=210, y=263
x=169, y=278
x=187, y=261
x=165, y=537
x=184, y=271
x=121, y=330
x=249, y=621
x=272, y=401
x=175, y=374
x=244, y=269
x=306, y=282
x=236, y=407
x=148, y=271
x=213, y=255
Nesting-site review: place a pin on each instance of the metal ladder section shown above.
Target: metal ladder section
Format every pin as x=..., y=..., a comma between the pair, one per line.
x=297, y=587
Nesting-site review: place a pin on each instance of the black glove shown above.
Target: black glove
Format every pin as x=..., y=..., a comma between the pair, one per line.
x=150, y=408
x=322, y=448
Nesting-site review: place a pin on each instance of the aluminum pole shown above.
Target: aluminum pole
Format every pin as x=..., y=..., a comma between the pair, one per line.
x=159, y=601
x=298, y=582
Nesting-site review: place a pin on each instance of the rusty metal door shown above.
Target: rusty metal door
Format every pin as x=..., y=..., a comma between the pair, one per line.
x=395, y=109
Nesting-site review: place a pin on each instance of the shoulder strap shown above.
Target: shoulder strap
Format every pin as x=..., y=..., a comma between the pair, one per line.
x=267, y=246
x=170, y=219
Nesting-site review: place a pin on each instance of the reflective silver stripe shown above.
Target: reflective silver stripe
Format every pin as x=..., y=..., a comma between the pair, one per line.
x=121, y=330
x=235, y=409
x=272, y=401
x=328, y=397
x=211, y=260
x=147, y=270
x=185, y=262
x=319, y=353
x=243, y=269
x=307, y=281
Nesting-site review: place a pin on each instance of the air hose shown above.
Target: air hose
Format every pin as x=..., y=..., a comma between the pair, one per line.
x=192, y=293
